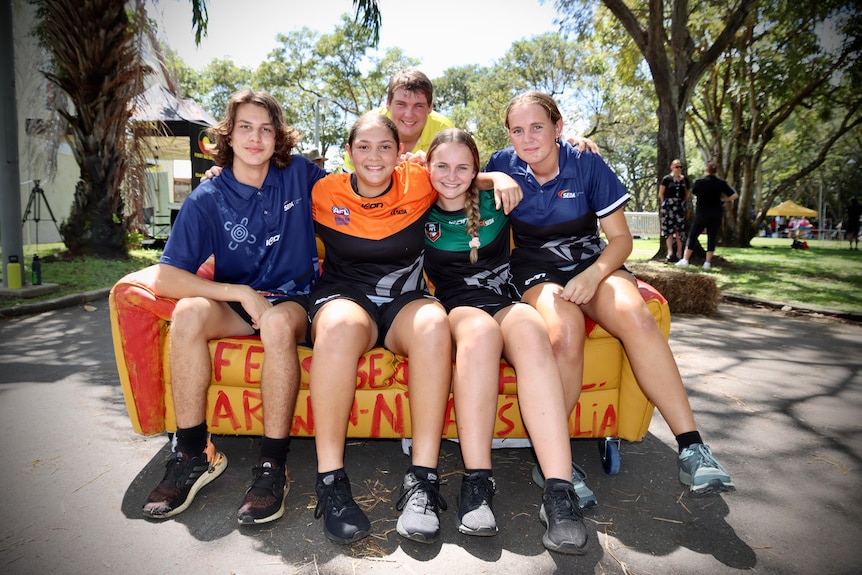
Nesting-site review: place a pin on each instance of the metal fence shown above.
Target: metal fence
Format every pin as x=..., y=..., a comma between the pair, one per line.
x=644, y=225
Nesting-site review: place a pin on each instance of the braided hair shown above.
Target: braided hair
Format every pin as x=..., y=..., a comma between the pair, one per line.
x=471, y=207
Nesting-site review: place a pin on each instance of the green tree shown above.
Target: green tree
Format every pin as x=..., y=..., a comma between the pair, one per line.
x=771, y=110
x=332, y=78
x=216, y=83
x=678, y=41
x=95, y=60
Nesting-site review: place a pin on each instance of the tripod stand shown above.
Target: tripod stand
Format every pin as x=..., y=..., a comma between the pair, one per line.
x=37, y=196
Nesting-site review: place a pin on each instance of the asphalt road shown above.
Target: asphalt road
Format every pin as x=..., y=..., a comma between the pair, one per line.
x=777, y=397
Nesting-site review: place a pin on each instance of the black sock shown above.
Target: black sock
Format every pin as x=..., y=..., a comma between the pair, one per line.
x=425, y=473
x=192, y=440
x=320, y=475
x=275, y=449
x=486, y=473
x=687, y=439
x=549, y=483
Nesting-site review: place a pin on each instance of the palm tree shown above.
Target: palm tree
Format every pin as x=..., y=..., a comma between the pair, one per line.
x=96, y=62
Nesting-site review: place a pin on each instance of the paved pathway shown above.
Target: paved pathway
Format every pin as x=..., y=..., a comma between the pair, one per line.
x=777, y=397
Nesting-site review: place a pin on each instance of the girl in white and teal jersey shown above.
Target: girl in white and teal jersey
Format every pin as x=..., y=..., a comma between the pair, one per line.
x=467, y=261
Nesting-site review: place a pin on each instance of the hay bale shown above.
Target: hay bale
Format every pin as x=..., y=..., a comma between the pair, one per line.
x=686, y=292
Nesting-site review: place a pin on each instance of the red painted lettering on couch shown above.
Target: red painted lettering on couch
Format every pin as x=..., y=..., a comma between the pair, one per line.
x=608, y=428
x=449, y=420
x=253, y=366
x=501, y=415
x=252, y=407
x=223, y=410
x=382, y=410
x=303, y=426
x=220, y=362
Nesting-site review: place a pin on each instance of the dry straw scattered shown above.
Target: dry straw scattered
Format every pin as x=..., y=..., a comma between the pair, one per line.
x=692, y=292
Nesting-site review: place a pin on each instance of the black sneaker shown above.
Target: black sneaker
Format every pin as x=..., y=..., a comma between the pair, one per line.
x=183, y=479
x=264, y=500
x=343, y=521
x=559, y=513
x=475, y=513
x=420, y=504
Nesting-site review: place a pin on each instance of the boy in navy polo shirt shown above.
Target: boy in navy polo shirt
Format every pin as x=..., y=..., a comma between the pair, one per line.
x=255, y=220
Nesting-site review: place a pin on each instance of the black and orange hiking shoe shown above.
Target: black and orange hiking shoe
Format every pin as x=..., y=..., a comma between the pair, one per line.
x=264, y=500
x=184, y=477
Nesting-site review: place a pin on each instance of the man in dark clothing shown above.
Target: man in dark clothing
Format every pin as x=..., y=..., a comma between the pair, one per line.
x=711, y=193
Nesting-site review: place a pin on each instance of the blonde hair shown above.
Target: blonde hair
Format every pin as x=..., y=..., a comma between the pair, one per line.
x=533, y=97
x=471, y=205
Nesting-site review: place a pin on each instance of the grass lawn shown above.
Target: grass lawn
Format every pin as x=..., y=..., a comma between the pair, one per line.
x=827, y=275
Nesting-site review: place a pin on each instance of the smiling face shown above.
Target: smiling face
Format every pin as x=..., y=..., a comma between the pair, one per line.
x=534, y=136
x=452, y=169
x=374, y=151
x=409, y=110
x=252, y=139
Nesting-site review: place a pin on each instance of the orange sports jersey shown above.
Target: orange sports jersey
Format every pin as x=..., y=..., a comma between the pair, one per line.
x=377, y=243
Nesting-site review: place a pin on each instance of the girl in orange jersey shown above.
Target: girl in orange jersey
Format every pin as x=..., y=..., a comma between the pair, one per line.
x=372, y=292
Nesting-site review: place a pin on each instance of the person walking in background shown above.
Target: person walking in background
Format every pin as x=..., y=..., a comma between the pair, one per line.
x=260, y=285
x=467, y=259
x=854, y=215
x=711, y=192
x=673, y=195
x=563, y=268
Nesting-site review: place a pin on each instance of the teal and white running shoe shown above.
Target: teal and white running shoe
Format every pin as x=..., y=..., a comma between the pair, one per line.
x=586, y=497
x=701, y=472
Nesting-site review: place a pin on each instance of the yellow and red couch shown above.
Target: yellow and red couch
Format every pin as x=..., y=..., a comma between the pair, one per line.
x=611, y=403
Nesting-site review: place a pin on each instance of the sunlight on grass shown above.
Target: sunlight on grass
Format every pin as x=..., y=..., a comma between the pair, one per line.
x=827, y=275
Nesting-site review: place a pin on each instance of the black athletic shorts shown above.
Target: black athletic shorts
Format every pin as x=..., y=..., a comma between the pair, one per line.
x=383, y=314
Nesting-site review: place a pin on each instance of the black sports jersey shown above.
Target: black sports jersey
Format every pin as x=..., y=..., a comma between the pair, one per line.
x=447, y=252
x=376, y=243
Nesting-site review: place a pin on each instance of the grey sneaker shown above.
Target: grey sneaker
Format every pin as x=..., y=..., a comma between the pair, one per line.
x=559, y=513
x=586, y=497
x=475, y=515
x=420, y=504
x=701, y=472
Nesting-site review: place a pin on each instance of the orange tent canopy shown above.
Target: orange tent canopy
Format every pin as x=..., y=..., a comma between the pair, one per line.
x=790, y=209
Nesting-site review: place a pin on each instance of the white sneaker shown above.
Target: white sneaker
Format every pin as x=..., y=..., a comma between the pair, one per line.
x=707, y=266
x=681, y=263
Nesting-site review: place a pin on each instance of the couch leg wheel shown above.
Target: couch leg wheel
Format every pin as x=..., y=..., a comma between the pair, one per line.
x=609, y=450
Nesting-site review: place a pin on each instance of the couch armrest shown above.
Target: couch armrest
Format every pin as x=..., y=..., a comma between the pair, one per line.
x=139, y=321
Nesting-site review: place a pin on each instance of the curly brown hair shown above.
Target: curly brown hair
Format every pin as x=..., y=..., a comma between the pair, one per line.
x=286, y=137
